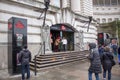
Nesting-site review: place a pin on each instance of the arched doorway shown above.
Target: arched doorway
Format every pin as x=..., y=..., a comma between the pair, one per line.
x=60, y=31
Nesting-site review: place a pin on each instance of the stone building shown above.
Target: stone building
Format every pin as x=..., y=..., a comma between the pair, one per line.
x=67, y=18
x=106, y=11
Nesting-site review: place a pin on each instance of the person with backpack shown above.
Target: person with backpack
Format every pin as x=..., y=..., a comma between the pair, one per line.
x=107, y=62
x=25, y=58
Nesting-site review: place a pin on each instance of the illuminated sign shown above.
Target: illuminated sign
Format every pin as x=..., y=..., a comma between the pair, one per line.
x=19, y=25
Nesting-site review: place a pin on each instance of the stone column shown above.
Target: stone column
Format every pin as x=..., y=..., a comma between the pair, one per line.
x=76, y=6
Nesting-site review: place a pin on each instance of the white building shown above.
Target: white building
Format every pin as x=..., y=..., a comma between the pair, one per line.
x=105, y=11
x=73, y=14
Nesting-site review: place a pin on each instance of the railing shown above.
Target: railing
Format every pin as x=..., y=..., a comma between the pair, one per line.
x=35, y=65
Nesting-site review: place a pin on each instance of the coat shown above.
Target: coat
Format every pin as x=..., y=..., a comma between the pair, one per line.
x=106, y=60
x=95, y=62
x=25, y=56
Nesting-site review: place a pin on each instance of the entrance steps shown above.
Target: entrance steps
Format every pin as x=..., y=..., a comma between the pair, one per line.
x=57, y=58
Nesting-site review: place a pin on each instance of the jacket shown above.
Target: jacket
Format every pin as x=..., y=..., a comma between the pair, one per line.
x=106, y=60
x=25, y=56
x=95, y=62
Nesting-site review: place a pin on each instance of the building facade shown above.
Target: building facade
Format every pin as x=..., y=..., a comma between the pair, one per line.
x=106, y=11
x=67, y=18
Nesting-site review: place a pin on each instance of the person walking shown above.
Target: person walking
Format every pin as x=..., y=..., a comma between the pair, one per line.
x=106, y=61
x=64, y=42
x=25, y=58
x=95, y=62
x=101, y=50
x=119, y=56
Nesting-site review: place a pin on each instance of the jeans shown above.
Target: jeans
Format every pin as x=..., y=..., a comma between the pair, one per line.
x=109, y=74
x=90, y=76
x=25, y=69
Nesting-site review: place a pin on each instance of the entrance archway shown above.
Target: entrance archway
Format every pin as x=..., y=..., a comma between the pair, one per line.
x=60, y=31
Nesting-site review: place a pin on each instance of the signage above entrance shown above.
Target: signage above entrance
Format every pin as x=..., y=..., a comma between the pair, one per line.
x=62, y=27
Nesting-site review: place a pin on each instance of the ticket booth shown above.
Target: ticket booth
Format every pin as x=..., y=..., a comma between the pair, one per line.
x=17, y=38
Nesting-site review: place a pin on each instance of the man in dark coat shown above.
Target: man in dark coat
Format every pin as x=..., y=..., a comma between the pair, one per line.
x=95, y=62
x=25, y=58
x=107, y=63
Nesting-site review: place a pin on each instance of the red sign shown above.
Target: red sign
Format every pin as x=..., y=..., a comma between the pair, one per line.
x=63, y=28
x=100, y=35
x=9, y=25
x=19, y=25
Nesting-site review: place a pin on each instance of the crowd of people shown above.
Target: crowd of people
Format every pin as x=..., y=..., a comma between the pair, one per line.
x=102, y=59
x=60, y=44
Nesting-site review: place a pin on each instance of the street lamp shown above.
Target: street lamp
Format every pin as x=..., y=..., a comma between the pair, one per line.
x=46, y=3
x=90, y=19
x=46, y=8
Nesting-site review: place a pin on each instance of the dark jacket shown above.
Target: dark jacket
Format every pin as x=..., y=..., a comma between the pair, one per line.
x=25, y=56
x=95, y=63
x=119, y=50
x=106, y=60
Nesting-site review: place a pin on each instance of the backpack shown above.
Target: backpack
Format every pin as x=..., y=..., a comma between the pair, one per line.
x=25, y=57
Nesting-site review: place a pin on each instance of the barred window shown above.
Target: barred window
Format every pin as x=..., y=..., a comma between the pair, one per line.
x=107, y=2
x=113, y=2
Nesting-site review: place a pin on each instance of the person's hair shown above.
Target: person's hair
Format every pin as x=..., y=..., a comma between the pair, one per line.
x=106, y=48
x=25, y=46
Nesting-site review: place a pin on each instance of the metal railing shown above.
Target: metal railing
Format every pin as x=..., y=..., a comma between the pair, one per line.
x=35, y=64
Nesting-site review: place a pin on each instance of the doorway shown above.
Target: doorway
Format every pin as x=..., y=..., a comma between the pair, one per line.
x=60, y=31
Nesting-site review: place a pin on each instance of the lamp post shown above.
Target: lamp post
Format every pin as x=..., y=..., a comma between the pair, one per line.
x=90, y=19
x=46, y=8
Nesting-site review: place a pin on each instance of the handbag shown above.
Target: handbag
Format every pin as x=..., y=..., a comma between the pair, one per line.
x=113, y=62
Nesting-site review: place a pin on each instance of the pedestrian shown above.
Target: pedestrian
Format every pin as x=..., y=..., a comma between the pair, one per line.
x=106, y=61
x=25, y=58
x=119, y=55
x=57, y=41
x=95, y=62
x=101, y=49
x=64, y=42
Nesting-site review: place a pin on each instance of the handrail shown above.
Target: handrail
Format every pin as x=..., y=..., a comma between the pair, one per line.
x=35, y=65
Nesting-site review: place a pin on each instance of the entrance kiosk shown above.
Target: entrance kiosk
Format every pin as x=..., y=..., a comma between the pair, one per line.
x=17, y=38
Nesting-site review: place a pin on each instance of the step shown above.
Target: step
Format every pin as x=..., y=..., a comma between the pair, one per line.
x=58, y=62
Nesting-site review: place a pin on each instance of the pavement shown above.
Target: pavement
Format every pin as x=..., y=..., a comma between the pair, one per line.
x=71, y=71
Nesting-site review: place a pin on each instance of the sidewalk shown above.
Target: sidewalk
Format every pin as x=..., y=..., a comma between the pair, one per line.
x=71, y=71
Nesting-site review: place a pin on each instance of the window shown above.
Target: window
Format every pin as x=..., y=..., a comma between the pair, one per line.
x=101, y=2
x=107, y=2
x=98, y=20
x=116, y=19
x=118, y=2
x=109, y=19
x=113, y=2
x=55, y=3
x=103, y=20
x=95, y=2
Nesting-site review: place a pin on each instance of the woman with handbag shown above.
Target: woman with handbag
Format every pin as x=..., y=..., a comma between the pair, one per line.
x=107, y=64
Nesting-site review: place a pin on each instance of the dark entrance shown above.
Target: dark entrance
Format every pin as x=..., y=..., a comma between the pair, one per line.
x=60, y=31
x=17, y=38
